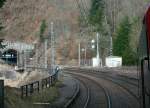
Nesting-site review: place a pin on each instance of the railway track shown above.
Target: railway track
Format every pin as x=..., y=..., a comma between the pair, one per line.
x=97, y=96
x=131, y=85
x=91, y=95
x=82, y=98
x=120, y=97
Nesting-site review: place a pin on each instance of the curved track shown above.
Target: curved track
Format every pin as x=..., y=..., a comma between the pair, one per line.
x=91, y=95
x=120, y=96
x=82, y=98
x=131, y=85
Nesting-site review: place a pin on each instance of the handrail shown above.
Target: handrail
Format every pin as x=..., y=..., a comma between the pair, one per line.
x=29, y=89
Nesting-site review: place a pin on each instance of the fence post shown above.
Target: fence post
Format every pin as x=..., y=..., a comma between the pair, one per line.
x=42, y=83
x=52, y=80
x=38, y=86
x=26, y=90
x=22, y=92
x=1, y=93
x=49, y=81
x=31, y=88
x=46, y=82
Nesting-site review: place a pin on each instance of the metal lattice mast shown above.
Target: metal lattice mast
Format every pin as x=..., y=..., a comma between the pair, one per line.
x=25, y=60
x=111, y=40
x=18, y=58
x=36, y=57
x=52, y=48
x=45, y=53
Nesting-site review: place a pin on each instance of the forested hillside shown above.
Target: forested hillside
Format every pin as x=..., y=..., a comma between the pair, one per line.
x=28, y=21
x=22, y=18
x=121, y=20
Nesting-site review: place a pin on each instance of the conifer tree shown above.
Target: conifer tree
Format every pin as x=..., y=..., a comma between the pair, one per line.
x=121, y=46
x=42, y=29
x=2, y=3
x=96, y=13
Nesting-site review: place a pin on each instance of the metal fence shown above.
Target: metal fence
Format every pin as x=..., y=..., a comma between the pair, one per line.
x=29, y=89
x=87, y=62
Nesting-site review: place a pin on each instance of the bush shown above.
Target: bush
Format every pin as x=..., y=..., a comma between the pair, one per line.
x=129, y=57
x=2, y=3
x=42, y=29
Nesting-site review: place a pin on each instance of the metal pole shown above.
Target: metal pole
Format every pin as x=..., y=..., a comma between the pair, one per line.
x=97, y=46
x=79, y=49
x=45, y=53
x=98, y=60
x=36, y=57
x=111, y=46
x=52, y=48
x=85, y=57
x=25, y=60
x=17, y=59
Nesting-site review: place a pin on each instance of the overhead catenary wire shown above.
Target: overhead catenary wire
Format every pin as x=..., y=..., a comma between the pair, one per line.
x=84, y=15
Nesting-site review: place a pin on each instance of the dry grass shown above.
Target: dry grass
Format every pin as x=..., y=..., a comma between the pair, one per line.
x=13, y=99
x=22, y=18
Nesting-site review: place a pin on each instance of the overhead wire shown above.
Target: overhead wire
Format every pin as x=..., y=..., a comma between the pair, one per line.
x=84, y=14
x=82, y=11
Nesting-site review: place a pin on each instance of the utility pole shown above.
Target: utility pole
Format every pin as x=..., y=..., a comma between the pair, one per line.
x=79, y=55
x=111, y=40
x=98, y=57
x=111, y=46
x=97, y=46
x=25, y=57
x=45, y=53
x=85, y=57
x=52, y=48
x=18, y=58
x=36, y=57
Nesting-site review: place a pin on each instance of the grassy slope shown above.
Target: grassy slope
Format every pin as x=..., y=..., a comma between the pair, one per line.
x=13, y=99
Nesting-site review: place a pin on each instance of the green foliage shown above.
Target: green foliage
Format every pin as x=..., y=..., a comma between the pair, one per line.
x=1, y=27
x=122, y=37
x=121, y=45
x=42, y=29
x=129, y=57
x=2, y=3
x=96, y=14
x=2, y=46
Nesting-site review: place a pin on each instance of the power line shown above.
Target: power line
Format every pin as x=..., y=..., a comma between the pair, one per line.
x=83, y=14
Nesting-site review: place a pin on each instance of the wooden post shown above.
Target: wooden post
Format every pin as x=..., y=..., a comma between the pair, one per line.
x=1, y=93
x=46, y=82
x=26, y=90
x=22, y=92
x=49, y=81
x=31, y=88
x=38, y=86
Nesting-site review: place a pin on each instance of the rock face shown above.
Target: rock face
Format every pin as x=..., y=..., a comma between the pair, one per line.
x=22, y=18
